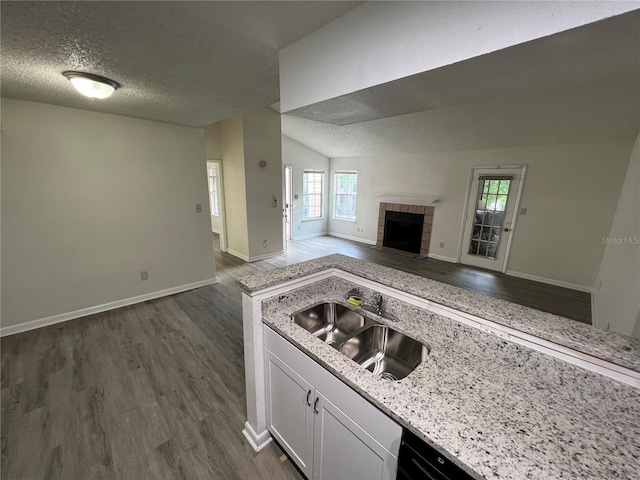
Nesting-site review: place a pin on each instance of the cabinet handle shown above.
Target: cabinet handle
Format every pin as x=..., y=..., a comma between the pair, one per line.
x=308, y=402
x=315, y=405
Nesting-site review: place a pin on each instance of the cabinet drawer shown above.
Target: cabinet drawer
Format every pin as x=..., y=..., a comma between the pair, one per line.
x=377, y=424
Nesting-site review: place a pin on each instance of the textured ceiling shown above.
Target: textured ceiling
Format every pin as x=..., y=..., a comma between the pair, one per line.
x=607, y=48
x=577, y=86
x=600, y=111
x=188, y=63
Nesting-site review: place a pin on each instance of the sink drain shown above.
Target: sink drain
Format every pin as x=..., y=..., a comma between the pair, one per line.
x=388, y=376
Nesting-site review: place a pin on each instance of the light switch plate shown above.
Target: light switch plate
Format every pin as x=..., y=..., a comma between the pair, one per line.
x=198, y=208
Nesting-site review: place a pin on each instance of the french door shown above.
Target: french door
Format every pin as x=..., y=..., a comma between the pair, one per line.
x=494, y=196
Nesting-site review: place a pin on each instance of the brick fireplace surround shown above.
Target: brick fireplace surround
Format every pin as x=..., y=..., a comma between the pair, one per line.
x=404, y=208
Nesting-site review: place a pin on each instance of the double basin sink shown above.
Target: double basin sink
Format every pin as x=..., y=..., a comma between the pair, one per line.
x=376, y=347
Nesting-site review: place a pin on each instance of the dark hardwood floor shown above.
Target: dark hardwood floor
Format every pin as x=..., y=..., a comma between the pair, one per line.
x=156, y=390
x=548, y=298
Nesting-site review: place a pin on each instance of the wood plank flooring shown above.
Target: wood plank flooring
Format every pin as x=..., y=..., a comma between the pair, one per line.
x=156, y=390
x=548, y=298
x=151, y=391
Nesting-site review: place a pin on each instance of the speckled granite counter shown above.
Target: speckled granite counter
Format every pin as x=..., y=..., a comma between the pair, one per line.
x=498, y=409
x=609, y=346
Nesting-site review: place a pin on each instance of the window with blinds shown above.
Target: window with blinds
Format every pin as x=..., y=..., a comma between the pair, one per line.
x=312, y=186
x=346, y=189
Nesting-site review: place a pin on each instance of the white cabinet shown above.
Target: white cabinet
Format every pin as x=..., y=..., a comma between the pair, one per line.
x=289, y=416
x=330, y=431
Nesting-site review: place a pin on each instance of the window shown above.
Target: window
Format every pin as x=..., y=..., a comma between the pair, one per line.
x=346, y=192
x=213, y=192
x=312, y=194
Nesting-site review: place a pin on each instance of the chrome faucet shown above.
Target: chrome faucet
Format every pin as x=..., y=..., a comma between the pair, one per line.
x=378, y=303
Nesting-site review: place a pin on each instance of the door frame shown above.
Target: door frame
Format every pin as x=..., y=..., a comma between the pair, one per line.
x=516, y=208
x=221, y=208
x=288, y=201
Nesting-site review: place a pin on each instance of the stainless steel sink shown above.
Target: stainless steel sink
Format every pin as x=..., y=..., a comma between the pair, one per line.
x=331, y=322
x=385, y=351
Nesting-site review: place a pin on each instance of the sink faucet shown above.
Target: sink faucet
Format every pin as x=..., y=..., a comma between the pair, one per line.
x=378, y=303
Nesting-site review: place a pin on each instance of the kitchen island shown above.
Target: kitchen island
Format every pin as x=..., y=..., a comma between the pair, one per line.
x=491, y=399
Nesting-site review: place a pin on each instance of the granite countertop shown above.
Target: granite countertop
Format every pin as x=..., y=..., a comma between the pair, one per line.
x=610, y=346
x=497, y=409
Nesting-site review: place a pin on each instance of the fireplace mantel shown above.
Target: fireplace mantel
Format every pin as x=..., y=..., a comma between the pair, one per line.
x=427, y=211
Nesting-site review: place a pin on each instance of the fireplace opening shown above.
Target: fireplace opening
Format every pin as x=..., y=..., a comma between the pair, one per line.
x=403, y=231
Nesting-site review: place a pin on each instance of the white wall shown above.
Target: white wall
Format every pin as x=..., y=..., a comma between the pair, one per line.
x=300, y=158
x=570, y=193
x=378, y=42
x=88, y=201
x=262, y=141
x=617, y=297
x=235, y=195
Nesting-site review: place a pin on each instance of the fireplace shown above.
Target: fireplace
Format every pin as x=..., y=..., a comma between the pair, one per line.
x=403, y=231
x=407, y=225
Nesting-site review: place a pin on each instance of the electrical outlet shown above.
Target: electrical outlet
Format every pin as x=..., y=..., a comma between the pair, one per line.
x=144, y=275
x=523, y=211
x=198, y=208
x=441, y=244
x=265, y=244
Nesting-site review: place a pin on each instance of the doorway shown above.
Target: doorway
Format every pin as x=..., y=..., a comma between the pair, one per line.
x=493, y=199
x=216, y=201
x=288, y=203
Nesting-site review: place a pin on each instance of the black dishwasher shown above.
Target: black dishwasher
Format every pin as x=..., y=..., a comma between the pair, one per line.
x=419, y=461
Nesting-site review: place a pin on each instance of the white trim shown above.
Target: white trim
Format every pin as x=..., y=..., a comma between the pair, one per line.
x=594, y=312
x=311, y=235
x=241, y=256
x=406, y=198
x=550, y=281
x=266, y=255
x=461, y=238
x=83, y=312
x=258, y=442
x=349, y=237
x=442, y=257
x=516, y=210
x=213, y=230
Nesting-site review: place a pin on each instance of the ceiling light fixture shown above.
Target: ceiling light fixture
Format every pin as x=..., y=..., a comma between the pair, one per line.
x=90, y=85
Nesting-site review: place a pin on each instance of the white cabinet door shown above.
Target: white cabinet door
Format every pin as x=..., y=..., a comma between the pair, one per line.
x=343, y=450
x=289, y=411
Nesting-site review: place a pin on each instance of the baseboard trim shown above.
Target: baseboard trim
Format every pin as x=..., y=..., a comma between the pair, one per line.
x=267, y=255
x=311, y=235
x=258, y=442
x=442, y=257
x=349, y=237
x=83, y=312
x=550, y=281
x=241, y=256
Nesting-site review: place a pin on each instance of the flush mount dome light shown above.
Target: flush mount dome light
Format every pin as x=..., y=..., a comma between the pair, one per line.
x=90, y=85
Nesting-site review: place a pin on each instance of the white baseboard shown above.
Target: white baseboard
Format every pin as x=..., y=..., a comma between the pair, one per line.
x=267, y=255
x=550, y=281
x=83, y=312
x=443, y=258
x=311, y=235
x=355, y=239
x=258, y=442
x=241, y=256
